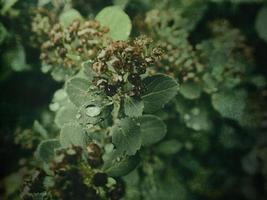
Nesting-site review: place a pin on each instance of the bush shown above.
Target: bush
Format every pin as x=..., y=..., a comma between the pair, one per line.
x=152, y=99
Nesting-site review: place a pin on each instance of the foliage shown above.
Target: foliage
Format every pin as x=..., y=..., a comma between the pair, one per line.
x=156, y=99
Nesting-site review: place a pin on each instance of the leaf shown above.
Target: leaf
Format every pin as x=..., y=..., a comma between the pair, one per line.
x=160, y=90
x=209, y=84
x=261, y=22
x=230, y=104
x=133, y=107
x=169, y=147
x=153, y=129
x=197, y=119
x=93, y=113
x=122, y=167
x=117, y=21
x=15, y=58
x=190, y=90
x=13, y=183
x=78, y=91
x=7, y=5
x=250, y=163
x=43, y=2
x=59, y=73
x=121, y=3
x=67, y=17
x=45, y=150
x=228, y=137
x=126, y=136
x=72, y=134
x=3, y=33
x=66, y=114
x=37, y=127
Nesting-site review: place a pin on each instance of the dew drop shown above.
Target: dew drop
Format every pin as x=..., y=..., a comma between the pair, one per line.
x=92, y=110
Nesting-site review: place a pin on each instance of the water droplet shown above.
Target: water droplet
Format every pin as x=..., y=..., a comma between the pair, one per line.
x=92, y=110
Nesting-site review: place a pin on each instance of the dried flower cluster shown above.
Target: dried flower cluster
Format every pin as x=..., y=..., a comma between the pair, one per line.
x=68, y=47
x=41, y=24
x=181, y=61
x=122, y=63
x=72, y=178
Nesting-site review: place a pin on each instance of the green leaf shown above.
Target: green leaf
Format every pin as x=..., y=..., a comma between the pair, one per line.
x=67, y=17
x=160, y=90
x=169, y=147
x=46, y=149
x=153, y=129
x=72, y=134
x=117, y=168
x=228, y=137
x=230, y=104
x=3, y=33
x=93, y=113
x=37, y=127
x=59, y=73
x=66, y=114
x=121, y=3
x=190, y=90
x=78, y=91
x=250, y=163
x=15, y=58
x=126, y=136
x=13, y=183
x=209, y=84
x=261, y=22
x=197, y=119
x=133, y=107
x=117, y=21
x=7, y=5
x=43, y=2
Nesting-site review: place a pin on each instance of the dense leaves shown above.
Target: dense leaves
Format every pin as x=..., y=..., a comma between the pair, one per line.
x=152, y=99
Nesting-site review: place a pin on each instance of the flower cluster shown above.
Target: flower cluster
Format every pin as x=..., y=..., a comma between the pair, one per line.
x=120, y=66
x=68, y=47
x=180, y=61
x=41, y=24
x=72, y=178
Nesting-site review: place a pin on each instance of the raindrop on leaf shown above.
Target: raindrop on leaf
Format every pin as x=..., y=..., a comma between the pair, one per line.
x=92, y=110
